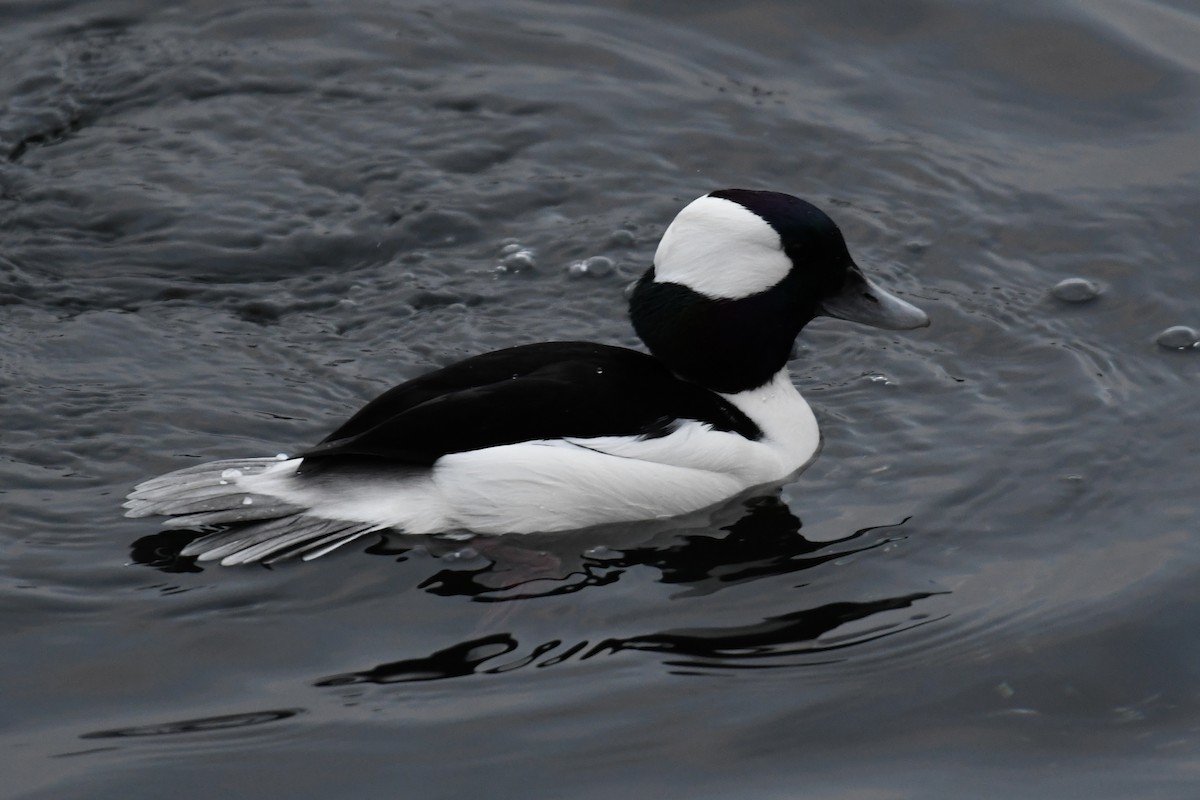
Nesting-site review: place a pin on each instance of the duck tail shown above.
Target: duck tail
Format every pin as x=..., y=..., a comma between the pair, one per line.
x=252, y=526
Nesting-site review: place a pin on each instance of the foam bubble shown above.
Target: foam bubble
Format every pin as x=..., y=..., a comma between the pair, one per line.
x=516, y=259
x=622, y=238
x=600, y=553
x=1178, y=337
x=1076, y=290
x=594, y=267
x=230, y=474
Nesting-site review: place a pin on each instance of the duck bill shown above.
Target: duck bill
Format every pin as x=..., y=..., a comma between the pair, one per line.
x=861, y=300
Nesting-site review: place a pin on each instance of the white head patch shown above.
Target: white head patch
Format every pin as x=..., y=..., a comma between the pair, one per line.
x=719, y=249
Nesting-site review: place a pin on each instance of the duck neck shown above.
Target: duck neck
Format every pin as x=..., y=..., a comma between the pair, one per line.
x=726, y=345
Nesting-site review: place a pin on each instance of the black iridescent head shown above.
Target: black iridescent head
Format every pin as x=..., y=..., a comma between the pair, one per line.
x=738, y=274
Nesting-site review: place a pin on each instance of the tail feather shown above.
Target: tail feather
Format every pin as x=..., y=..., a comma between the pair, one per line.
x=221, y=543
x=192, y=505
x=172, y=493
x=253, y=526
x=211, y=472
x=332, y=542
x=260, y=507
x=181, y=490
x=299, y=536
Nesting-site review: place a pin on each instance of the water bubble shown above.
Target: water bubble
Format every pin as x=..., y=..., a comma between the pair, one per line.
x=622, y=238
x=1178, y=337
x=1076, y=290
x=247, y=501
x=281, y=457
x=229, y=474
x=594, y=267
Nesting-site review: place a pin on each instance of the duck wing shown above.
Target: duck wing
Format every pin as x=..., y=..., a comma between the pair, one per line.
x=542, y=391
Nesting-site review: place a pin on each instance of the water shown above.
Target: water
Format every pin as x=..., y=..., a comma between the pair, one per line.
x=226, y=227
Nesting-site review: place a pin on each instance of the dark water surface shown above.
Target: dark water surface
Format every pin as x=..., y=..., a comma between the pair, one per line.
x=223, y=226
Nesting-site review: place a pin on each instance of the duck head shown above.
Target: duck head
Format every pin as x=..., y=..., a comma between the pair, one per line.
x=738, y=274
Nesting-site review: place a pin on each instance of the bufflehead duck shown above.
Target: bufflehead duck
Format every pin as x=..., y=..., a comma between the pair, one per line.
x=565, y=435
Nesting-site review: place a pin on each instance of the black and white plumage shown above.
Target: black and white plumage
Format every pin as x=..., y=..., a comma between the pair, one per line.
x=564, y=435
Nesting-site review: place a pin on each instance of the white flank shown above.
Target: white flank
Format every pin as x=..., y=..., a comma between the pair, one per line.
x=557, y=486
x=718, y=248
x=574, y=483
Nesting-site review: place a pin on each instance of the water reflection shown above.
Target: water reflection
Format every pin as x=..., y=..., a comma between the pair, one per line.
x=763, y=540
x=198, y=725
x=161, y=551
x=770, y=643
x=749, y=539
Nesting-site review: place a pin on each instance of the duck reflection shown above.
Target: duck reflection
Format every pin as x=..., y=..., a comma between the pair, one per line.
x=764, y=540
x=753, y=538
x=750, y=539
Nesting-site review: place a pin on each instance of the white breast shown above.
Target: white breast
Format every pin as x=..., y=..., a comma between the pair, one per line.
x=788, y=424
